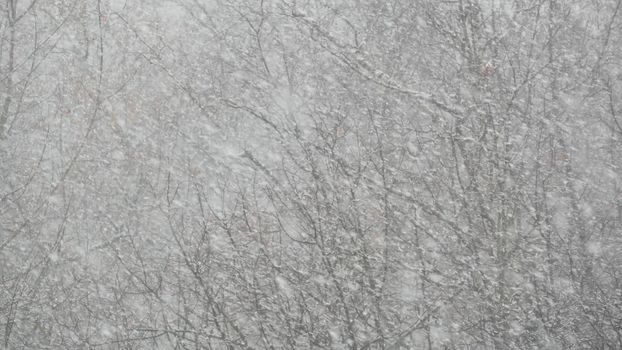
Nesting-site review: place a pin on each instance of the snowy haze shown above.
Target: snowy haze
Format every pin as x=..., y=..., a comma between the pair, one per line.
x=279, y=174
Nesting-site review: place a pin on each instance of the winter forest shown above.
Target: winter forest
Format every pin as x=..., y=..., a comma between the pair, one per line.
x=311, y=174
